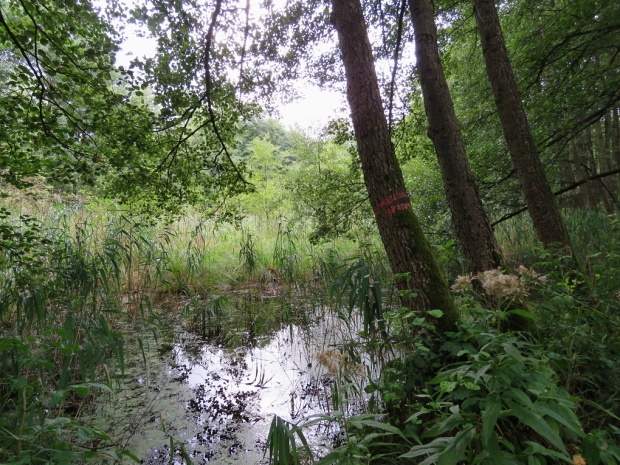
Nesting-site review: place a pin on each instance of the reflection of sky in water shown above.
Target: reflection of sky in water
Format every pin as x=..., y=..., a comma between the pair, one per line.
x=279, y=370
x=220, y=402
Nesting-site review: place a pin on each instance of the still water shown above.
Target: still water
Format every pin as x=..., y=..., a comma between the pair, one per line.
x=216, y=398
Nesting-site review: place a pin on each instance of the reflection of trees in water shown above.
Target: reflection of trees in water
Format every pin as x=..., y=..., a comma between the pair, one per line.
x=218, y=399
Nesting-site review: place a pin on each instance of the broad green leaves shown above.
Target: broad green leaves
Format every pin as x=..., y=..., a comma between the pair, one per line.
x=494, y=394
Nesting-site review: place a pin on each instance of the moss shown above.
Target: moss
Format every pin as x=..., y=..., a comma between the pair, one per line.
x=436, y=289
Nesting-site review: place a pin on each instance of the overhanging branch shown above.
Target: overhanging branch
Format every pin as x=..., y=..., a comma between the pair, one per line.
x=208, y=86
x=572, y=186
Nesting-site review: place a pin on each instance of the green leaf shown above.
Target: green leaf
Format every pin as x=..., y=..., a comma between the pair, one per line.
x=83, y=388
x=455, y=451
x=562, y=415
x=383, y=426
x=435, y=313
x=489, y=418
x=521, y=312
x=185, y=455
x=12, y=343
x=521, y=397
x=132, y=456
x=535, y=448
x=538, y=424
x=56, y=422
x=80, y=390
x=512, y=351
x=329, y=459
x=432, y=448
x=533, y=460
x=447, y=425
x=430, y=460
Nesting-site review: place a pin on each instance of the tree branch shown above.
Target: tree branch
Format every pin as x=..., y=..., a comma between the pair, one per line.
x=399, y=37
x=572, y=186
x=208, y=88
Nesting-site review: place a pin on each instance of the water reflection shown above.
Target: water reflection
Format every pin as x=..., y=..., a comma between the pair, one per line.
x=218, y=401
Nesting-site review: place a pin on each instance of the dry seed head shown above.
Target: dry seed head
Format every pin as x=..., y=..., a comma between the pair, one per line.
x=332, y=360
x=497, y=283
x=337, y=362
x=579, y=460
x=463, y=284
x=531, y=275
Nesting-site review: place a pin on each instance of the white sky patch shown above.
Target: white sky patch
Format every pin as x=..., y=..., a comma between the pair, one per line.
x=135, y=47
x=137, y=43
x=314, y=108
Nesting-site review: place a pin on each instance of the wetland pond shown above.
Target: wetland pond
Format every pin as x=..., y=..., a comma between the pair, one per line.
x=213, y=395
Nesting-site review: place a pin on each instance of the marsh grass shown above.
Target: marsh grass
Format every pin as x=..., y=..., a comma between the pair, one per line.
x=74, y=273
x=71, y=277
x=282, y=446
x=591, y=231
x=60, y=298
x=203, y=256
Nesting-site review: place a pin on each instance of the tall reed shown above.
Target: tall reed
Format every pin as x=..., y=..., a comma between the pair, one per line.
x=63, y=290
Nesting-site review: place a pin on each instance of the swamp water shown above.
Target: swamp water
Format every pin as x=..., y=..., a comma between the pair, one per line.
x=213, y=398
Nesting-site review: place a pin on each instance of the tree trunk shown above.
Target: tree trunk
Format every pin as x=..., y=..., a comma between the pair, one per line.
x=580, y=197
x=543, y=209
x=602, y=165
x=616, y=134
x=470, y=220
x=406, y=246
x=569, y=179
x=588, y=190
x=614, y=144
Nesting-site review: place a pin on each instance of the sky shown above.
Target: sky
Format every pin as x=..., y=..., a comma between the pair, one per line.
x=313, y=109
x=310, y=111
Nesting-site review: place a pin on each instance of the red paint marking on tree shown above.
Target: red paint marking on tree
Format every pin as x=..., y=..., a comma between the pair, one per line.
x=390, y=212
x=390, y=200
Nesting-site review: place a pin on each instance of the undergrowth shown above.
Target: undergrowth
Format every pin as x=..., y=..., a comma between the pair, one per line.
x=74, y=275
x=485, y=396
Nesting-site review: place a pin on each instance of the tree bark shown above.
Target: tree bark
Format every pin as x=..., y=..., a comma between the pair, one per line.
x=569, y=179
x=406, y=246
x=616, y=134
x=543, y=209
x=588, y=192
x=580, y=197
x=471, y=223
x=602, y=165
x=609, y=137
